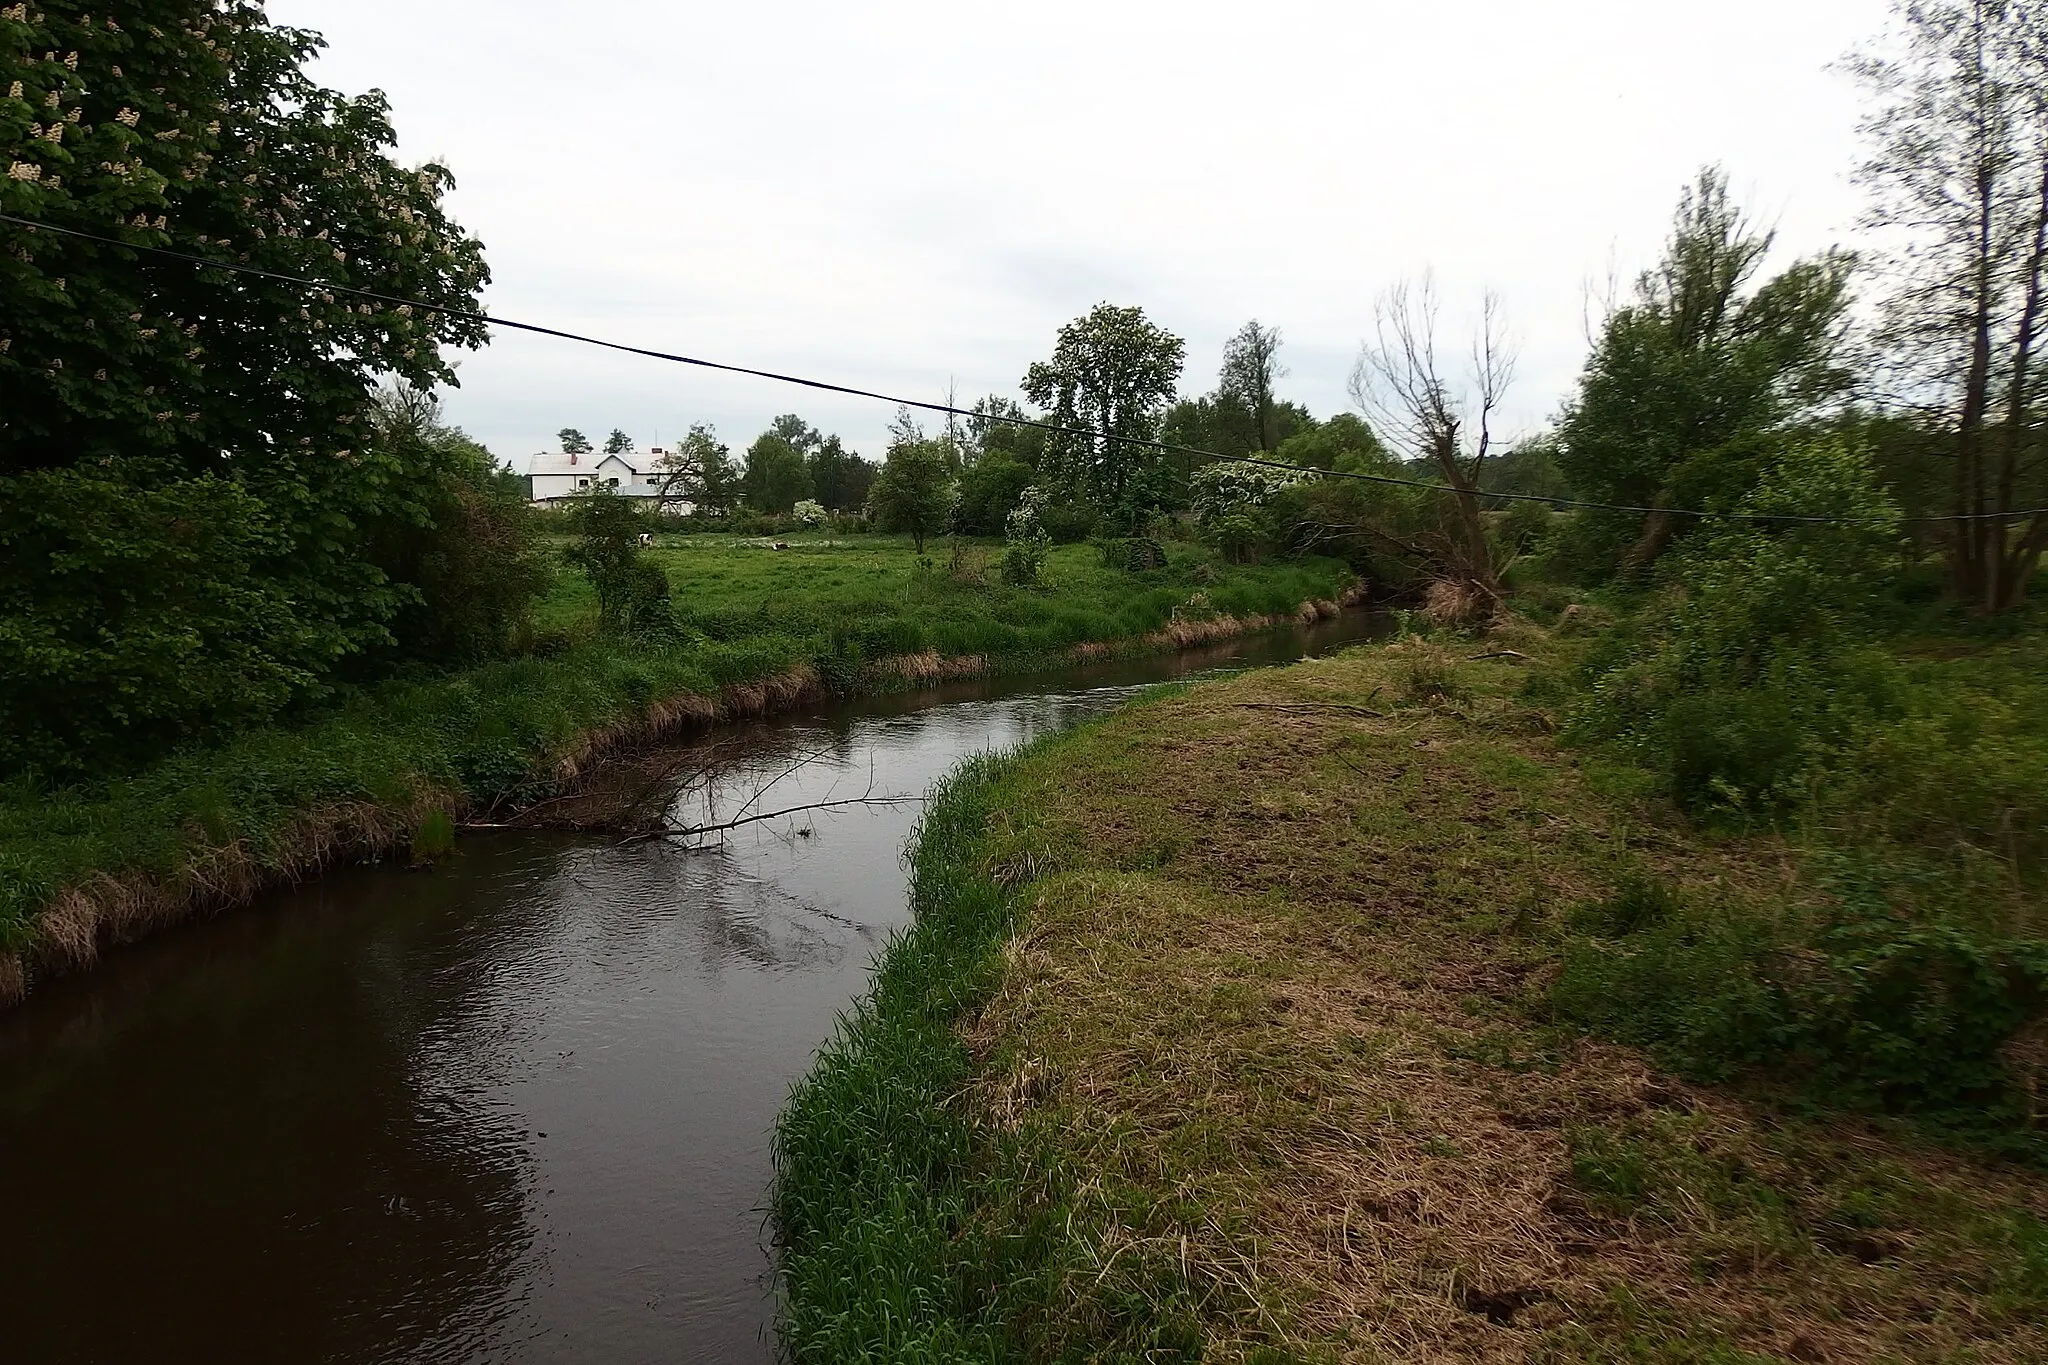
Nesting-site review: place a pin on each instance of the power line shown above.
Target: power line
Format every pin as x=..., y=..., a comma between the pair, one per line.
x=491, y=320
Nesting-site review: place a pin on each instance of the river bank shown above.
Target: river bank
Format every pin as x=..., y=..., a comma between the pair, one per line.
x=537, y=1075
x=399, y=768
x=1252, y=1023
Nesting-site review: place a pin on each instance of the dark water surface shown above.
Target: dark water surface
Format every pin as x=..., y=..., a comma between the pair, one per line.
x=515, y=1108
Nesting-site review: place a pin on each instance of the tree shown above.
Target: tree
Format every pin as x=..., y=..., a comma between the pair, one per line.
x=915, y=490
x=989, y=492
x=573, y=441
x=840, y=478
x=1697, y=363
x=632, y=593
x=1218, y=422
x=700, y=472
x=1250, y=365
x=776, y=478
x=195, y=128
x=1111, y=372
x=1958, y=176
x=803, y=438
x=474, y=560
x=993, y=430
x=1403, y=384
x=618, y=443
x=1345, y=442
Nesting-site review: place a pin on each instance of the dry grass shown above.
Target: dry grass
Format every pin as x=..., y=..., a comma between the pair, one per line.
x=1271, y=994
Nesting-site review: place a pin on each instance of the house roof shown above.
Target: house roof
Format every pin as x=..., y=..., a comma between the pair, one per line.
x=555, y=462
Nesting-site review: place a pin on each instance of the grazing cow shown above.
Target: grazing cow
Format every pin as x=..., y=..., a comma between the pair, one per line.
x=646, y=541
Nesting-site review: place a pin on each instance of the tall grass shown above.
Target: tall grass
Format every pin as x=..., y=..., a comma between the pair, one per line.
x=907, y=1233
x=872, y=1158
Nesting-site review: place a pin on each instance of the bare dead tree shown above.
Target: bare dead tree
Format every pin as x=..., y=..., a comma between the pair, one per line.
x=1409, y=393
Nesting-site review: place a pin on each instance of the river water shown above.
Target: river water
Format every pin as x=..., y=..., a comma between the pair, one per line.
x=512, y=1108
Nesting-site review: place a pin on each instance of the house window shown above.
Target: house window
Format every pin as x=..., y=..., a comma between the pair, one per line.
x=612, y=482
x=583, y=483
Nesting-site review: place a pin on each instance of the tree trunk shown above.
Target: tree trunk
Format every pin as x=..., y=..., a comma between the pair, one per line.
x=2013, y=565
x=1658, y=528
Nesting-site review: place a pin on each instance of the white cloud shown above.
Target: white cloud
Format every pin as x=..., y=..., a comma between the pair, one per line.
x=903, y=195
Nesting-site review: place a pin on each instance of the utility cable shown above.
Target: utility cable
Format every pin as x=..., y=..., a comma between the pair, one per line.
x=492, y=320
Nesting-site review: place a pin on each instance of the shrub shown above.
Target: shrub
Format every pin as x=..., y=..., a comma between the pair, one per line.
x=990, y=490
x=1887, y=993
x=1027, y=544
x=1068, y=520
x=632, y=594
x=1756, y=666
x=132, y=618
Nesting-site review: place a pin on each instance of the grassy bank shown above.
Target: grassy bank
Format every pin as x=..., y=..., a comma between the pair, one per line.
x=1277, y=1020
x=395, y=767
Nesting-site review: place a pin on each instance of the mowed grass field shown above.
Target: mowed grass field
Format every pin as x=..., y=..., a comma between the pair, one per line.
x=1240, y=1027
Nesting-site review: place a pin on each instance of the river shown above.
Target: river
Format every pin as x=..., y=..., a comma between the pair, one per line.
x=514, y=1107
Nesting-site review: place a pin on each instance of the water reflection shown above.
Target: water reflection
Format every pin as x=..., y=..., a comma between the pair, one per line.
x=514, y=1109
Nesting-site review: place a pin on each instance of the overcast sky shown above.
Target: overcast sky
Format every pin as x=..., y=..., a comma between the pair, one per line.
x=906, y=195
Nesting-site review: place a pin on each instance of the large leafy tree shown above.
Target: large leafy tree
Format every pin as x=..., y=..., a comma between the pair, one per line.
x=1958, y=173
x=840, y=478
x=1702, y=358
x=194, y=127
x=803, y=438
x=1112, y=373
x=700, y=471
x=776, y=478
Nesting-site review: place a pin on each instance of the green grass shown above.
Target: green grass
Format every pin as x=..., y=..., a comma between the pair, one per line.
x=873, y=593
x=883, y=1182
x=1230, y=1028
x=494, y=733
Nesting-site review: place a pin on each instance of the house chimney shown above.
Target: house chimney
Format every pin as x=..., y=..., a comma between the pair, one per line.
x=572, y=457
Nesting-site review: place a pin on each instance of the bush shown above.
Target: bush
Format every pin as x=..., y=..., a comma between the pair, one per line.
x=632, y=594
x=133, y=618
x=990, y=490
x=1027, y=544
x=1133, y=554
x=1068, y=521
x=1755, y=666
x=473, y=559
x=1887, y=993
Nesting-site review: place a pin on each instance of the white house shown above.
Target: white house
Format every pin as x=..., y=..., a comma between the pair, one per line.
x=557, y=475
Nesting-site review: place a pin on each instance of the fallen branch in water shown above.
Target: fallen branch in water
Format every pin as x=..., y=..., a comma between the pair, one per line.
x=698, y=831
